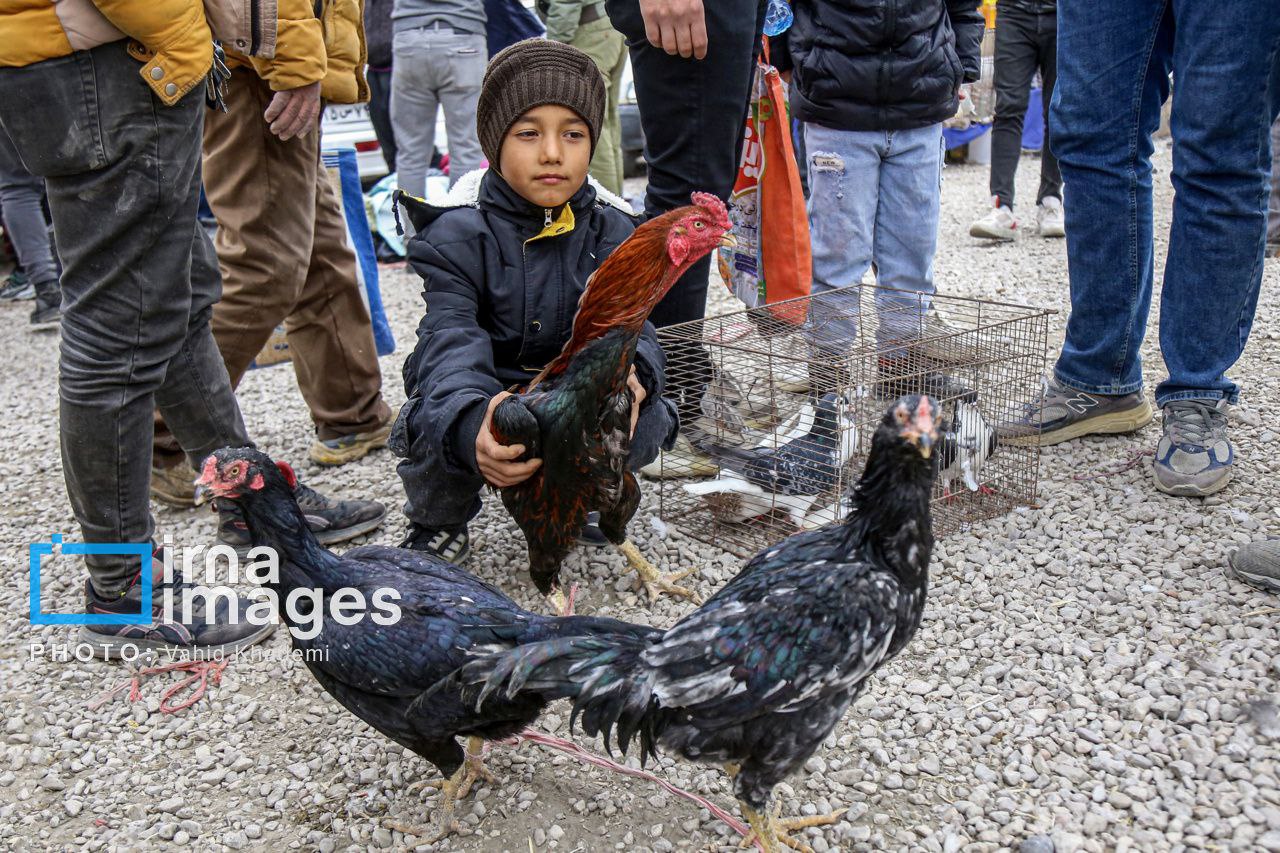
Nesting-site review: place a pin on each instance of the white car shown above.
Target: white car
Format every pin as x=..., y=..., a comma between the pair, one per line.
x=348, y=126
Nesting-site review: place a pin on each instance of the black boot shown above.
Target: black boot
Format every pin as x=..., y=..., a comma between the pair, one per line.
x=48, y=311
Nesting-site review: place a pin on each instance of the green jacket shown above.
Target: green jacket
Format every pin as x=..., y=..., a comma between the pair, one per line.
x=562, y=16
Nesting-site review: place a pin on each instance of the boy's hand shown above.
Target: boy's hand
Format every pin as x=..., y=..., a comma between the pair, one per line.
x=494, y=460
x=638, y=395
x=676, y=26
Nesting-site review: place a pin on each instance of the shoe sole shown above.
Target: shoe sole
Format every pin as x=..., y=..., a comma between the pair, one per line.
x=1114, y=423
x=1188, y=490
x=984, y=234
x=1053, y=235
x=321, y=454
x=46, y=326
x=327, y=537
x=187, y=501
x=1261, y=582
x=107, y=648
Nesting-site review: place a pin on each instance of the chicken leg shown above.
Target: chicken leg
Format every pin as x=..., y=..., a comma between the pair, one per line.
x=773, y=831
x=655, y=582
x=452, y=789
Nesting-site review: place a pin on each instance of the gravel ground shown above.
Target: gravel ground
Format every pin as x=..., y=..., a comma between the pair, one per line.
x=1086, y=677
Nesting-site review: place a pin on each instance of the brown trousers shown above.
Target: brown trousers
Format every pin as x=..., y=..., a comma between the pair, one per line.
x=283, y=253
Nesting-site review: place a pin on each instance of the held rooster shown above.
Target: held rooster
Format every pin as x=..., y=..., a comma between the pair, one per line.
x=758, y=676
x=380, y=671
x=576, y=414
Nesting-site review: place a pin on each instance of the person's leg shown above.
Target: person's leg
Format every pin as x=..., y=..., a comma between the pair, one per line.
x=1016, y=57
x=380, y=113
x=844, y=187
x=461, y=63
x=331, y=336
x=1113, y=76
x=21, y=195
x=607, y=48
x=439, y=501
x=413, y=109
x=1047, y=58
x=1273, y=214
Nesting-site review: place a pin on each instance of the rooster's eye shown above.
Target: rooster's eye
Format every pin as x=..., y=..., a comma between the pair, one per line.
x=699, y=224
x=901, y=415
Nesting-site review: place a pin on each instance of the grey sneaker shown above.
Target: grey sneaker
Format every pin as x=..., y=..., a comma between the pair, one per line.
x=1257, y=564
x=1065, y=413
x=1194, y=457
x=945, y=343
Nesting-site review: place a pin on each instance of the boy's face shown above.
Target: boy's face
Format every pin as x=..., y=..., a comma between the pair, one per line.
x=545, y=155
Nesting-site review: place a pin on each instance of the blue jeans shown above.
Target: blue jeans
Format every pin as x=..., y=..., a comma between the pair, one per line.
x=1114, y=61
x=873, y=198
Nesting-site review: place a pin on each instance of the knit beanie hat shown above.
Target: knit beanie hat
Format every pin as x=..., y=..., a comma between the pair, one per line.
x=532, y=73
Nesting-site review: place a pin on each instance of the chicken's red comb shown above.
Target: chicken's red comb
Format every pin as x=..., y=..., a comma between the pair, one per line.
x=289, y=477
x=713, y=205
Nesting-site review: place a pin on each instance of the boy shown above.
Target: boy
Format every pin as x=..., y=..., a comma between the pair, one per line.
x=873, y=82
x=504, y=266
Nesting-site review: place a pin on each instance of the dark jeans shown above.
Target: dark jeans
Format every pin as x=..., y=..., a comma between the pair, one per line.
x=441, y=496
x=139, y=282
x=380, y=113
x=1114, y=64
x=1025, y=41
x=692, y=112
x=22, y=203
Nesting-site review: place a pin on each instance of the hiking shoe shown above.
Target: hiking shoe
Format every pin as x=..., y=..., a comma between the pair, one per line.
x=901, y=377
x=17, y=286
x=999, y=224
x=218, y=624
x=349, y=448
x=1065, y=413
x=451, y=544
x=1049, y=221
x=1194, y=457
x=945, y=343
x=591, y=534
x=332, y=521
x=1257, y=564
x=48, y=311
x=682, y=460
x=174, y=486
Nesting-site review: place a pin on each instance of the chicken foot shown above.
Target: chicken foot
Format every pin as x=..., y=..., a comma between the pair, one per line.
x=655, y=582
x=454, y=788
x=774, y=831
x=560, y=602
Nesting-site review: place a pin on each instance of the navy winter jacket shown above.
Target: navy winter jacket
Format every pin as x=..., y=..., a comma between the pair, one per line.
x=879, y=64
x=502, y=280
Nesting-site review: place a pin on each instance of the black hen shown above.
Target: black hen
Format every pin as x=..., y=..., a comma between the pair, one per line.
x=380, y=671
x=758, y=676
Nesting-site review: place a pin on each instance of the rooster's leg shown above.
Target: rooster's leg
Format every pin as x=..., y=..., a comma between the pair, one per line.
x=656, y=583
x=774, y=831
x=560, y=603
x=452, y=789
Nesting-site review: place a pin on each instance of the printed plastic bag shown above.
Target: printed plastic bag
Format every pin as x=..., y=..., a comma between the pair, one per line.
x=772, y=261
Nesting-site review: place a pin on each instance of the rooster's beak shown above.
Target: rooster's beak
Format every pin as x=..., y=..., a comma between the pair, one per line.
x=728, y=241
x=926, y=444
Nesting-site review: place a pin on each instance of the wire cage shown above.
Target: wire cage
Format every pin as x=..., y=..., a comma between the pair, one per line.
x=778, y=405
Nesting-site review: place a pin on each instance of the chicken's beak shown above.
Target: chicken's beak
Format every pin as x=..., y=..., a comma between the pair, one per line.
x=728, y=241
x=925, y=443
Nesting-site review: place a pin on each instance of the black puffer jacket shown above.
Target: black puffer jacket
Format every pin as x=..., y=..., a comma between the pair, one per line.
x=501, y=287
x=879, y=64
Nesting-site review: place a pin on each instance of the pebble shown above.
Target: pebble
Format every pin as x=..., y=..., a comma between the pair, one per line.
x=1037, y=844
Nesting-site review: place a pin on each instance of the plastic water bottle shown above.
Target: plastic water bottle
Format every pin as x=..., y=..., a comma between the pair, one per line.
x=777, y=18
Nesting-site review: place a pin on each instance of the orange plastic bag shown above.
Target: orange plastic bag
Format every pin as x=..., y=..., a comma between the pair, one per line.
x=772, y=261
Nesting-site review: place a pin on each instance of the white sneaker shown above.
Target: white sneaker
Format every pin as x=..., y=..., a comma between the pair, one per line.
x=1049, y=217
x=999, y=224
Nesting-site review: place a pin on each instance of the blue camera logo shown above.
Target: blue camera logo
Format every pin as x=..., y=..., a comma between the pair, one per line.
x=38, y=550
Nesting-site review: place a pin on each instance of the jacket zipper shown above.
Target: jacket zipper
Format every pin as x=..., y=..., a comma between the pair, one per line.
x=546, y=217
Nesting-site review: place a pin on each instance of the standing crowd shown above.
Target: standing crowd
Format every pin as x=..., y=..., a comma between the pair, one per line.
x=119, y=116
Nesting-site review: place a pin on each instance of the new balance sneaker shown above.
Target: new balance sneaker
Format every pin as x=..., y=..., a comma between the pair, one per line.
x=218, y=625
x=451, y=544
x=1194, y=456
x=332, y=521
x=1257, y=564
x=999, y=224
x=1049, y=220
x=17, y=286
x=349, y=448
x=1064, y=413
x=174, y=486
x=591, y=534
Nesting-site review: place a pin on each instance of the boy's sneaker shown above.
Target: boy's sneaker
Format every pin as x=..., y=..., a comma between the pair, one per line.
x=17, y=286
x=591, y=534
x=349, y=448
x=1049, y=219
x=682, y=460
x=214, y=628
x=48, y=311
x=451, y=544
x=174, y=486
x=999, y=224
x=1194, y=457
x=1065, y=413
x=1257, y=564
x=332, y=521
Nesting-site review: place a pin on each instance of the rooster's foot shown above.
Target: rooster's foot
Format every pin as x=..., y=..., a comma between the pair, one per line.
x=431, y=836
x=655, y=582
x=560, y=603
x=453, y=789
x=986, y=490
x=773, y=831
x=473, y=768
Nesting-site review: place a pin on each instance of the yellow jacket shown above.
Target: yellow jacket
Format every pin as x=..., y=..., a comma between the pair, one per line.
x=330, y=49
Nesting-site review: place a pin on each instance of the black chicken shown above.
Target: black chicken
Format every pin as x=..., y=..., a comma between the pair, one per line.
x=379, y=672
x=758, y=676
x=576, y=414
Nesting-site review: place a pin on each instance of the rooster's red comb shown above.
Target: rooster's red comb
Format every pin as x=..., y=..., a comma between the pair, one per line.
x=714, y=206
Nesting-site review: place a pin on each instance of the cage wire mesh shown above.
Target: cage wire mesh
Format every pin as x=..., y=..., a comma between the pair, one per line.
x=778, y=405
